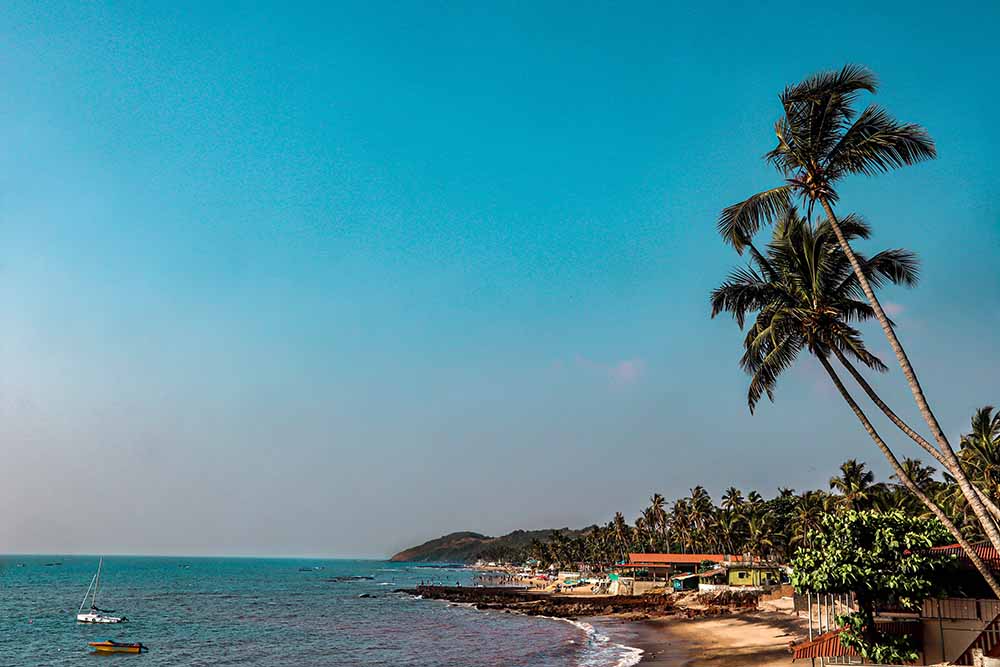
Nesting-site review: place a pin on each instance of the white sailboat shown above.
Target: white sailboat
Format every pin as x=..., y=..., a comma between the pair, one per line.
x=96, y=615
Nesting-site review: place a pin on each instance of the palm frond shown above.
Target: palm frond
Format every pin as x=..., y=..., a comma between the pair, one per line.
x=769, y=368
x=899, y=266
x=851, y=344
x=739, y=222
x=852, y=225
x=877, y=143
x=743, y=292
x=849, y=80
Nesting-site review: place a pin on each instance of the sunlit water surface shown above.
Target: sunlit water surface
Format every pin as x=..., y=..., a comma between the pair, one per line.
x=274, y=612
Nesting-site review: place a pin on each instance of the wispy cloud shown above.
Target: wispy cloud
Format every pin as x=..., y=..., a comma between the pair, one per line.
x=893, y=309
x=619, y=373
x=626, y=371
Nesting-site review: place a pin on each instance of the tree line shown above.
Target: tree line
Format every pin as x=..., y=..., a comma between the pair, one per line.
x=773, y=528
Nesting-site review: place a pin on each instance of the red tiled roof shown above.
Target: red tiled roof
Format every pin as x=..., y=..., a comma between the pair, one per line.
x=986, y=552
x=827, y=645
x=677, y=559
x=712, y=573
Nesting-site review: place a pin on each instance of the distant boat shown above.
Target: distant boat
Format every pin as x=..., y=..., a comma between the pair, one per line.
x=109, y=646
x=96, y=615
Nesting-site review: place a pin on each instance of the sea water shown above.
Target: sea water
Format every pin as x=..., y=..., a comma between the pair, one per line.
x=274, y=612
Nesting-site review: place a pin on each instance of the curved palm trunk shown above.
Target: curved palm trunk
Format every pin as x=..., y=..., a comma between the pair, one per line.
x=955, y=467
x=908, y=483
x=905, y=428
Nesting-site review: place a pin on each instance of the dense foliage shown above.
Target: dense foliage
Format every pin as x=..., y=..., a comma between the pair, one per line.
x=884, y=559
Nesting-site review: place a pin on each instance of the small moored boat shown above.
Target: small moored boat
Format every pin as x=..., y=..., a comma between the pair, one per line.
x=109, y=646
x=95, y=614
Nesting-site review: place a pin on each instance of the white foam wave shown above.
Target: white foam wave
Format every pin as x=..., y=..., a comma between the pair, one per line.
x=601, y=646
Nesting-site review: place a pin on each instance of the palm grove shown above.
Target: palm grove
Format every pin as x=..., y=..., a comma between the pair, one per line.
x=805, y=290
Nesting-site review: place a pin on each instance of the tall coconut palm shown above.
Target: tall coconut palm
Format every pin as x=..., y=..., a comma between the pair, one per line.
x=729, y=527
x=680, y=525
x=658, y=517
x=822, y=139
x=758, y=535
x=621, y=536
x=922, y=476
x=732, y=498
x=810, y=509
x=803, y=292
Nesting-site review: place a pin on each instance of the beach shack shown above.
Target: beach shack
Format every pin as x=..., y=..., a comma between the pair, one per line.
x=664, y=566
x=753, y=575
x=684, y=582
x=741, y=575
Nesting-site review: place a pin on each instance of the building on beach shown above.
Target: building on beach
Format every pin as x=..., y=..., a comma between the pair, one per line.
x=704, y=571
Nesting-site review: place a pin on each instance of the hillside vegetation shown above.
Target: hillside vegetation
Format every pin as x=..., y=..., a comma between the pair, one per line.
x=468, y=547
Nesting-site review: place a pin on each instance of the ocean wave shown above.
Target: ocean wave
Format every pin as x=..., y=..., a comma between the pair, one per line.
x=600, y=650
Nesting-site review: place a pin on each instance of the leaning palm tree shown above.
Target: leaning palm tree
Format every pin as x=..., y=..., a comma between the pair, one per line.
x=803, y=293
x=822, y=139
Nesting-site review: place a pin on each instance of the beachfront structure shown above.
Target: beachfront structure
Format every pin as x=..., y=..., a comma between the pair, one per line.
x=954, y=630
x=664, y=566
x=742, y=576
x=704, y=571
x=754, y=575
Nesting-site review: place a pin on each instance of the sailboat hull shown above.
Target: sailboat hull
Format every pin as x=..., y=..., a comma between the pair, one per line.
x=99, y=618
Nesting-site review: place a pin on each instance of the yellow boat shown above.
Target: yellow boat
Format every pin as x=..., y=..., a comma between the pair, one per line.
x=109, y=646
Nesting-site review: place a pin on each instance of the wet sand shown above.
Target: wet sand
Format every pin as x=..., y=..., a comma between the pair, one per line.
x=748, y=639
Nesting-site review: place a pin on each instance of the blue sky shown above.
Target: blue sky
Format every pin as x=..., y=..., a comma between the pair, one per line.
x=330, y=279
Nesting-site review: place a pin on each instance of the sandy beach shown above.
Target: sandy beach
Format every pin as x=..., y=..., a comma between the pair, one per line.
x=749, y=639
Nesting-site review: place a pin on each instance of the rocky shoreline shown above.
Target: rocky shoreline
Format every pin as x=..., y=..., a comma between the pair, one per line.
x=539, y=603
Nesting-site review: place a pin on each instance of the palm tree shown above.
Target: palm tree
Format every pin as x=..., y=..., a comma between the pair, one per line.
x=806, y=298
x=810, y=509
x=822, y=139
x=621, y=536
x=732, y=498
x=758, y=540
x=658, y=517
x=980, y=450
x=922, y=476
x=899, y=496
x=803, y=292
x=854, y=485
x=680, y=526
x=729, y=527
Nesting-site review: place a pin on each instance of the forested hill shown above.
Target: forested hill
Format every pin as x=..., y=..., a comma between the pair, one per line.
x=468, y=547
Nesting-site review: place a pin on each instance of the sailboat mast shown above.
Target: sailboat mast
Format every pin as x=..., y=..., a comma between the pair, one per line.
x=87, y=594
x=93, y=603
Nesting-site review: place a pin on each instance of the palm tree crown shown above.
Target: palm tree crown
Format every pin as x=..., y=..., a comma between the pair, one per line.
x=805, y=296
x=821, y=139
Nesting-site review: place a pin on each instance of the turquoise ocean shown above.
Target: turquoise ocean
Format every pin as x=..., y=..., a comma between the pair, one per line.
x=274, y=612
